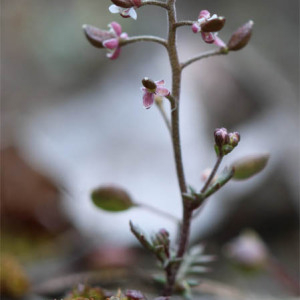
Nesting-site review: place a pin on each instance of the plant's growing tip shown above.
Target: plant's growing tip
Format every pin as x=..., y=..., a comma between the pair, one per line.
x=225, y=142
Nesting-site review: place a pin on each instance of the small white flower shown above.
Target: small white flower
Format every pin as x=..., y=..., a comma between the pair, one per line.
x=124, y=12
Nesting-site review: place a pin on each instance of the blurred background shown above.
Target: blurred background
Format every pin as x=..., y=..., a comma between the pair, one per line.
x=71, y=120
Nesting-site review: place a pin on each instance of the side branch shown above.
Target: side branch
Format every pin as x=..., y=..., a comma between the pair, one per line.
x=212, y=174
x=204, y=55
x=144, y=38
x=183, y=23
x=157, y=3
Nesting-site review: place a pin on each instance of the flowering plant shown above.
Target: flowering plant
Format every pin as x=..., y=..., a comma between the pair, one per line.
x=177, y=262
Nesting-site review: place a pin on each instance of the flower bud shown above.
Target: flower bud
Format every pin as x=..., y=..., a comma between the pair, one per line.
x=246, y=167
x=149, y=84
x=221, y=136
x=213, y=25
x=234, y=138
x=241, y=37
x=164, y=233
x=96, y=36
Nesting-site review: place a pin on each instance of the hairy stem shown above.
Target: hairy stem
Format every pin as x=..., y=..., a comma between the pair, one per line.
x=200, y=56
x=176, y=82
x=212, y=174
x=183, y=23
x=144, y=38
x=157, y=3
x=171, y=271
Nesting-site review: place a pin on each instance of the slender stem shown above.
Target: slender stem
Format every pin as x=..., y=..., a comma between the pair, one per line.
x=212, y=189
x=176, y=82
x=144, y=38
x=204, y=55
x=165, y=117
x=157, y=3
x=183, y=23
x=212, y=174
x=158, y=212
x=171, y=271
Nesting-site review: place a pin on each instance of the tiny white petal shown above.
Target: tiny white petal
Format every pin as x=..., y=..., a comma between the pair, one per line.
x=114, y=9
x=132, y=13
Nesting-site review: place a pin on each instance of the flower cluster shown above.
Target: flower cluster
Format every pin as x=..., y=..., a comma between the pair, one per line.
x=125, y=8
x=153, y=89
x=209, y=26
x=109, y=39
x=225, y=142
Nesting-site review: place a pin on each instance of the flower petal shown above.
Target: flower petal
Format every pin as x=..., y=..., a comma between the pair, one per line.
x=204, y=14
x=160, y=82
x=124, y=36
x=111, y=43
x=162, y=91
x=114, y=54
x=208, y=37
x=132, y=13
x=196, y=27
x=114, y=9
x=148, y=99
x=116, y=27
x=219, y=42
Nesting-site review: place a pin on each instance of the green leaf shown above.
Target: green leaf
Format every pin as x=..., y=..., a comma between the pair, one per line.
x=112, y=198
x=248, y=166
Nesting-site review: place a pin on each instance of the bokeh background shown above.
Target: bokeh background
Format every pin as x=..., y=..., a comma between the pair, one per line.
x=71, y=120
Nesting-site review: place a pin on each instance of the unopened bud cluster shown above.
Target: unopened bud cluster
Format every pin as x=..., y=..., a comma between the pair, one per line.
x=225, y=142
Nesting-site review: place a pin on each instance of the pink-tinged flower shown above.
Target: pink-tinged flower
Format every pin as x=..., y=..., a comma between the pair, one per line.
x=113, y=44
x=109, y=39
x=124, y=12
x=152, y=89
x=209, y=26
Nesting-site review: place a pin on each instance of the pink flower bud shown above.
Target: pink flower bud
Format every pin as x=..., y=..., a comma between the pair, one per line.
x=234, y=138
x=241, y=37
x=221, y=136
x=96, y=36
x=109, y=39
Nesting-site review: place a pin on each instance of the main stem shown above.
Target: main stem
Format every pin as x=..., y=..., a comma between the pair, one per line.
x=172, y=270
